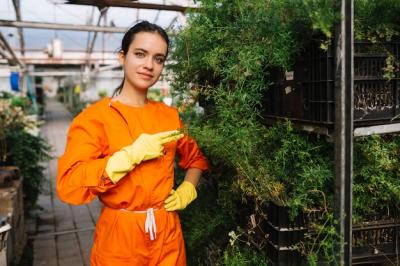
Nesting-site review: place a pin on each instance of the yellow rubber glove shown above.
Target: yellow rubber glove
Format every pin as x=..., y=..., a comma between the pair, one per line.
x=181, y=197
x=145, y=147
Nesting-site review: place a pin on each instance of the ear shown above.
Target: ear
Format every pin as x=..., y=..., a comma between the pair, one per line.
x=121, y=58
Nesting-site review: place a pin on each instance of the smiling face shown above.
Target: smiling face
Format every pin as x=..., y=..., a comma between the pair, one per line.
x=144, y=61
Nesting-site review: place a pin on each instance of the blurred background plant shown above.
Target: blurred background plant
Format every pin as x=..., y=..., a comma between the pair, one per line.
x=22, y=146
x=102, y=93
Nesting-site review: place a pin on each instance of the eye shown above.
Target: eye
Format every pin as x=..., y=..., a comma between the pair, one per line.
x=160, y=59
x=139, y=54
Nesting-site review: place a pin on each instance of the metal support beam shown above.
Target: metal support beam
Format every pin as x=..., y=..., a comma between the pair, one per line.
x=131, y=4
x=14, y=59
x=16, y=4
x=101, y=4
x=106, y=68
x=180, y=17
x=372, y=130
x=3, y=54
x=2, y=46
x=55, y=73
x=90, y=47
x=89, y=22
x=172, y=23
x=344, y=131
x=59, y=26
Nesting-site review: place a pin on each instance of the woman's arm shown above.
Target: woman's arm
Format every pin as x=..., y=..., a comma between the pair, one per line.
x=80, y=174
x=193, y=176
x=191, y=159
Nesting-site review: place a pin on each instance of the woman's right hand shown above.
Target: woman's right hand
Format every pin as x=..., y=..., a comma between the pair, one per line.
x=145, y=147
x=151, y=146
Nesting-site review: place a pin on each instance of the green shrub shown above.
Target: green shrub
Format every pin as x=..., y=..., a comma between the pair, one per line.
x=244, y=256
x=376, y=20
x=22, y=146
x=28, y=152
x=226, y=57
x=376, y=186
x=208, y=220
x=226, y=54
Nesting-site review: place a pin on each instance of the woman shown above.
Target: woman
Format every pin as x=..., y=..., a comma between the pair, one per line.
x=122, y=150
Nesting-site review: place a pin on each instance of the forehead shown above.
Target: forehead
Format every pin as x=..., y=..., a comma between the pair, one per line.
x=152, y=42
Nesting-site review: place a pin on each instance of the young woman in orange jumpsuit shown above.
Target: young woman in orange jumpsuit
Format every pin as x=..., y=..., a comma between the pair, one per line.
x=122, y=150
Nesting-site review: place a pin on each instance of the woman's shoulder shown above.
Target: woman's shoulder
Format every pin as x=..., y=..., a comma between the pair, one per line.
x=164, y=107
x=93, y=111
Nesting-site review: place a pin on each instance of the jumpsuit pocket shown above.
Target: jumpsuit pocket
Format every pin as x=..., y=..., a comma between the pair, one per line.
x=113, y=237
x=173, y=228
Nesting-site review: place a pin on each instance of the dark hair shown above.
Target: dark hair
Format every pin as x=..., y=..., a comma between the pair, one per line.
x=143, y=26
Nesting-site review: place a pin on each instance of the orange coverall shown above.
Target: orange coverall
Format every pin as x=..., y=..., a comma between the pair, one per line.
x=120, y=237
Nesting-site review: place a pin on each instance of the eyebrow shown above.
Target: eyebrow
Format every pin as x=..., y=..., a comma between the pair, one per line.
x=145, y=51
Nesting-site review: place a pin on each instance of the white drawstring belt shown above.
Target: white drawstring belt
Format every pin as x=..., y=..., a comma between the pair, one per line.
x=150, y=223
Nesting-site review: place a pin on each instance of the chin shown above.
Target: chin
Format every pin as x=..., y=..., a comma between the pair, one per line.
x=143, y=85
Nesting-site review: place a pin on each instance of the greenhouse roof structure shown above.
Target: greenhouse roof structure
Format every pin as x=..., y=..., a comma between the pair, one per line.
x=77, y=32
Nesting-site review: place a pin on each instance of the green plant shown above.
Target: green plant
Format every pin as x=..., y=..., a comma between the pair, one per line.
x=243, y=256
x=27, y=152
x=320, y=240
x=226, y=54
x=22, y=102
x=226, y=57
x=14, y=117
x=5, y=95
x=376, y=185
x=102, y=93
x=23, y=147
x=207, y=221
x=376, y=20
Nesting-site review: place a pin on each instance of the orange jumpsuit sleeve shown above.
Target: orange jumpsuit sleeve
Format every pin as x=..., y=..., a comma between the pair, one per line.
x=189, y=153
x=81, y=176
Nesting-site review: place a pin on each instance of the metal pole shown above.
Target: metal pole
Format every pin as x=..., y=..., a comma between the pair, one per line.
x=17, y=7
x=344, y=131
x=11, y=51
x=59, y=26
x=90, y=47
x=131, y=4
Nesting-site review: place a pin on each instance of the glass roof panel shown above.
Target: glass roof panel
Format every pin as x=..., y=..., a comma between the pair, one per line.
x=55, y=11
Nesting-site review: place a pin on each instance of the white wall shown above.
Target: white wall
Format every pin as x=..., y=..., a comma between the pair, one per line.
x=5, y=84
x=5, y=79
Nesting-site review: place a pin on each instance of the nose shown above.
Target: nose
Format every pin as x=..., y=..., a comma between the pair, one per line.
x=149, y=63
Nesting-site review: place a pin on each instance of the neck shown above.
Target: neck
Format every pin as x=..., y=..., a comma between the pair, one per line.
x=132, y=97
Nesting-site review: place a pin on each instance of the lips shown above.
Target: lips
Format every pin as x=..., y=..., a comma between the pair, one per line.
x=145, y=75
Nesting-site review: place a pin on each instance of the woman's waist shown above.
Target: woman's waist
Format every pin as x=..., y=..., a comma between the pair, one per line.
x=150, y=221
x=134, y=206
x=132, y=195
